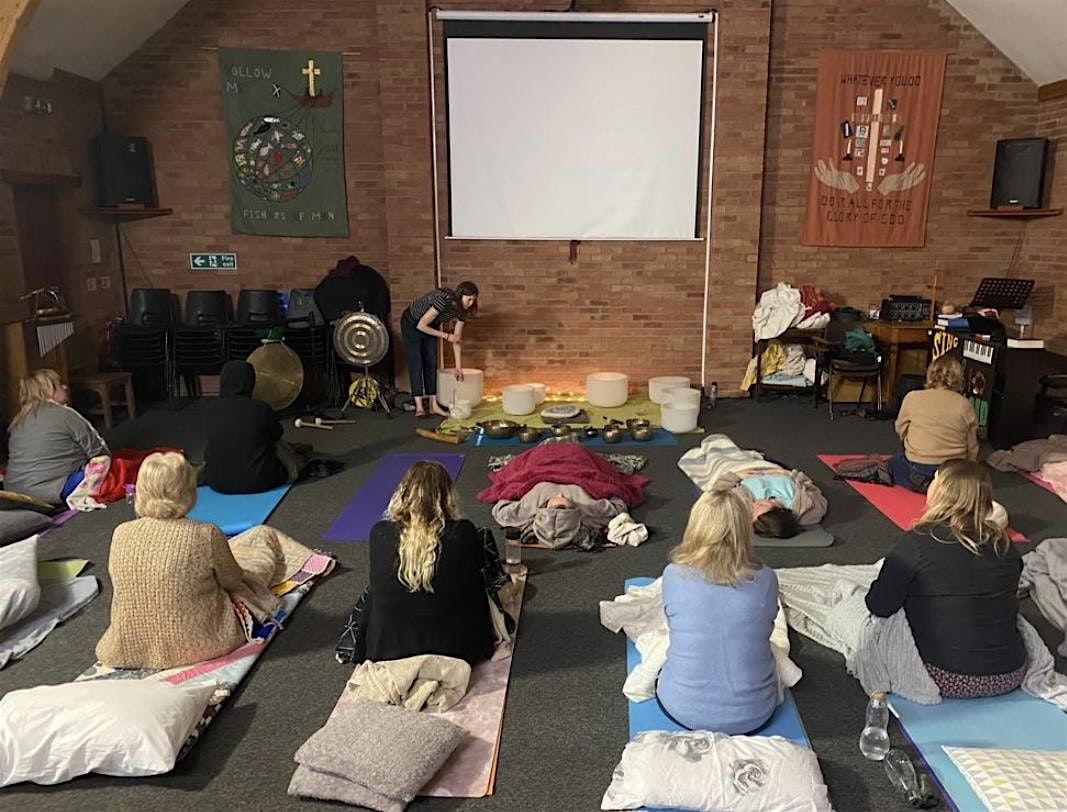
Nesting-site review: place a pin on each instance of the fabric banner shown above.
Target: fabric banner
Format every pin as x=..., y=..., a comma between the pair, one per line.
x=284, y=144
x=876, y=115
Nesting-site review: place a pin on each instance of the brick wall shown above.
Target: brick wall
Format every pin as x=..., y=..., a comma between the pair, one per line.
x=630, y=306
x=1042, y=257
x=58, y=144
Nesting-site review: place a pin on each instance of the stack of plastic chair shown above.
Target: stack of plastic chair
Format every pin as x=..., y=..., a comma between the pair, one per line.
x=200, y=339
x=308, y=335
x=145, y=341
x=257, y=312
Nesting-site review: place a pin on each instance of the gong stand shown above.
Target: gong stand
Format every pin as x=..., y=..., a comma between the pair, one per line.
x=362, y=340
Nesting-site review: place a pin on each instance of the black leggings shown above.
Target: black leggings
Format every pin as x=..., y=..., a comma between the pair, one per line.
x=421, y=353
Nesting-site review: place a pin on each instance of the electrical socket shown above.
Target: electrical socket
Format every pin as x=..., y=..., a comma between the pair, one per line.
x=105, y=283
x=90, y=283
x=94, y=252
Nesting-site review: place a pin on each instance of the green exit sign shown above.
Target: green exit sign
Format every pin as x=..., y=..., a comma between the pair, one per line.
x=213, y=262
x=34, y=104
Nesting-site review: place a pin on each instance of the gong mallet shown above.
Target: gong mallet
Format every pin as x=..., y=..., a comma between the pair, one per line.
x=439, y=436
x=304, y=424
x=324, y=422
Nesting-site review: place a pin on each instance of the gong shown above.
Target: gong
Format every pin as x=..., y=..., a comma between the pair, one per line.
x=361, y=339
x=279, y=375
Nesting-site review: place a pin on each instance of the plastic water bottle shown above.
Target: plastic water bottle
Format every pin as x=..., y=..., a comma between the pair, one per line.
x=906, y=780
x=874, y=740
x=713, y=393
x=131, y=492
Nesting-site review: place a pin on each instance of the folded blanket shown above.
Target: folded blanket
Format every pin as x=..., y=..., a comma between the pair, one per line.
x=564, y=464
x=106, y=478
x=414, y=682
x=828, y=605
x=267, y=557
x=639, y=613
x=1044, y=577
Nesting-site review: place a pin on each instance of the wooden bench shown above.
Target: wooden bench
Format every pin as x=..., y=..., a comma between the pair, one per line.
x=102, y=384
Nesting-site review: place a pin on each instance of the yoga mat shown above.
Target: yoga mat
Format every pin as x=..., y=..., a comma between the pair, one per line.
x=367, y=506
x=647, y=715
x=235, y=513
x=660, y=437
x=896, y=503
x=1014, y=721
x=1041, y=483
x=470, y=771
x=225, y=672
x=811, y=537
x=59, y=568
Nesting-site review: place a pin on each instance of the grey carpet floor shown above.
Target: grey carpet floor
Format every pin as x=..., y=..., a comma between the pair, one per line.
x=565, y=723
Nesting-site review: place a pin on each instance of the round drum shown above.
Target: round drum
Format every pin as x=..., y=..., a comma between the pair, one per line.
x=279, y=375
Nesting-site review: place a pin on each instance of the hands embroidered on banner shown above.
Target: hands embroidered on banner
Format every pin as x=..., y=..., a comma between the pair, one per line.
x=836, y=178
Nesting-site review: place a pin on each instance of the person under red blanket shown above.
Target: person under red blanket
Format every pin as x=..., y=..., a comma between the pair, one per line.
x=564, y=464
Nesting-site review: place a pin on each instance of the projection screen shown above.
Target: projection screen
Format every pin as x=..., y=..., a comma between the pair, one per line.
x=574, y=131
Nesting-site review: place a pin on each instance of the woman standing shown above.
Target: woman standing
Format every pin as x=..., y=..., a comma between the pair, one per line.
x=956, y=575
x=421, y=325
x=49, y=443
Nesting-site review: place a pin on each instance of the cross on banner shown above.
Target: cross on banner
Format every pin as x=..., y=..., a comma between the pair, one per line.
x=311, y=72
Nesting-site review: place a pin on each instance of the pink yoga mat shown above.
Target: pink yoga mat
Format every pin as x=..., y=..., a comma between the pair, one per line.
x=899, y=505
x=1041, y=483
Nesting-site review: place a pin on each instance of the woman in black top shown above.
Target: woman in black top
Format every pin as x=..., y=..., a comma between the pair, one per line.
x=427, y=594
x=421, y=325
x=956, y=574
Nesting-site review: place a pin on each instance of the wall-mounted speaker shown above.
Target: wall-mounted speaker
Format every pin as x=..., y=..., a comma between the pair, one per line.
x=123, y=166
x=1019, y=173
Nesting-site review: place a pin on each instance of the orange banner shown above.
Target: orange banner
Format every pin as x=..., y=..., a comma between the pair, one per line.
x=876, y=115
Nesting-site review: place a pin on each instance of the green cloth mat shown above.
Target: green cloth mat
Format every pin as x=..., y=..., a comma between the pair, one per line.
x=638, y=406
x=60, y=568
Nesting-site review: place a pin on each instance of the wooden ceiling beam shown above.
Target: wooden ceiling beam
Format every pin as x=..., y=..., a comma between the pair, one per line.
x=15, y=16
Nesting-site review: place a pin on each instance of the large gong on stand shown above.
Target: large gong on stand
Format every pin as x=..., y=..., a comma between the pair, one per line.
x=362, y=340
x=279, y=375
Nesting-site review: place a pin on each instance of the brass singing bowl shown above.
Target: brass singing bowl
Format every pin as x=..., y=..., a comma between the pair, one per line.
x=638, y=423
x=528, y=434
x=499, y=429
x=611, y=434
x=561, y=430
x=641, y=433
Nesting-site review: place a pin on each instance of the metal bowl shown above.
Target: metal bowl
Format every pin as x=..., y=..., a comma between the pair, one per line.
x=641, y=433
x=590, y=433
x=528, y=434
x=611, y=434
x=638, y=423
x=561, y=430
x=499, y=429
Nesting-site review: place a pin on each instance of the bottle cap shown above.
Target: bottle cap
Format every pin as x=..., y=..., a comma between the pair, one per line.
x=877, y=694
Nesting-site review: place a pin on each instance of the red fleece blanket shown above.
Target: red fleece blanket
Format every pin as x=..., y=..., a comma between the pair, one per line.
x=564, y=464
x=125, y=463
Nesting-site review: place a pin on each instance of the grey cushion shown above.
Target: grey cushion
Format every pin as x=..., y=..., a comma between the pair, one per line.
x=16, y=525
x=380, y=750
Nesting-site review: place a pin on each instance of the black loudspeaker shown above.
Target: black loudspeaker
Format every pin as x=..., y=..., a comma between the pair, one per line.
x=123, y=166
x=1019, y=173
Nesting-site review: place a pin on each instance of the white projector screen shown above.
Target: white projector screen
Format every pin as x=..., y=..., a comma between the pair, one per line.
x=574, y=138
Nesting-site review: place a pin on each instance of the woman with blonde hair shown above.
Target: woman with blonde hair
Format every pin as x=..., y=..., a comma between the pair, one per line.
x=935, y=424
x=721, y=602
x=956, y=575
x=427, y=594
x=180, y=595
x=48, y=442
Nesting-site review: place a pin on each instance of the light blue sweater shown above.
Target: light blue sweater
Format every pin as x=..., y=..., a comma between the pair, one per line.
x=719, y=673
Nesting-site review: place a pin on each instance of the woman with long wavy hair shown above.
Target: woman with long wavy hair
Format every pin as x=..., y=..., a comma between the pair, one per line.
x=956, y=575
x=427, y=594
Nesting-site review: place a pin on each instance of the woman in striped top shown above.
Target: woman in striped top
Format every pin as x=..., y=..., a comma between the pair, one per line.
x=421, y=325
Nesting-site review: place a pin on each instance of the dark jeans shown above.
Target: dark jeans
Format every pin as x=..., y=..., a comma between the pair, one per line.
x=915, y=476
x=421, y=353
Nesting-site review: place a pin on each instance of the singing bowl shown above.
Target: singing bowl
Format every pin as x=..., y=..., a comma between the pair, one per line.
x=635, y=423
x=611, y=434
x=642, y=433
x=528, y=434
x=499, y=429
x=561, y=430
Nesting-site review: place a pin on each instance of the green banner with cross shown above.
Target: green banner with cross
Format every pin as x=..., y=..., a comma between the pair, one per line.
x=284, y=145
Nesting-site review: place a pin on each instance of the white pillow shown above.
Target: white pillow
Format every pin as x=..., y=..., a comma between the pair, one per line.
x=1014, y=780
x=19, y=589
x=52, y=733
x=702, y=770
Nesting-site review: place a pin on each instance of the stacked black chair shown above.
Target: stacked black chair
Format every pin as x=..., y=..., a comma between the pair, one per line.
x=200, y=340
x=308, y=335
x=144, y=341
x=257, y=312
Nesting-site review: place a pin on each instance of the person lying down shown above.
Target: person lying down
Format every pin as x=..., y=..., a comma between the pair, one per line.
x=182, y=593
x=784, y=502
x=558, y=516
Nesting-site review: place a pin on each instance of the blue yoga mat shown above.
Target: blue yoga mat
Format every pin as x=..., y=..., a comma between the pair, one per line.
x=659, y=437
x=235, y=513
x=647, y=715
x=368, y=505
x=1015, y=721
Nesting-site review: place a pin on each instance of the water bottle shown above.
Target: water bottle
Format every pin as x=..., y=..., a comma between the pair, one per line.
x=874, y=740
x=713, y=394
x=513, y=549
x=131, y=492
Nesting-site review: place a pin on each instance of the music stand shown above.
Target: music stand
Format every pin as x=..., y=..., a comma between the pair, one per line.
x=1002, y=293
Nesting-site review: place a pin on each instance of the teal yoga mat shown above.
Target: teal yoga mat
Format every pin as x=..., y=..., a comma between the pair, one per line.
x=1015, y=721
x=235, y=513
x=647, y=715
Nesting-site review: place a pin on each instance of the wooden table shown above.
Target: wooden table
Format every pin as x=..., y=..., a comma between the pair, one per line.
x=897, y=336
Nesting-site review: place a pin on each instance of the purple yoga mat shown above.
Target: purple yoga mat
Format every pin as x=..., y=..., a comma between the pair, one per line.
x=367, y=506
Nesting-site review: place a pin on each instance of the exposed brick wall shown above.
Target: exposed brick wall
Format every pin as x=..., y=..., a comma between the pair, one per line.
x=985, y=98
x=1043, y=257
x=58, y=144
x=629, y=306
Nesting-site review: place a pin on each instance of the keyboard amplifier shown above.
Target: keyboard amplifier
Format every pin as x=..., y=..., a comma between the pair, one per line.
x=905, y=308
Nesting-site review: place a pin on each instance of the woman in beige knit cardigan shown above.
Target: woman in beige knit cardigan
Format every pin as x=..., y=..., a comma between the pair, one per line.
x=174, y=580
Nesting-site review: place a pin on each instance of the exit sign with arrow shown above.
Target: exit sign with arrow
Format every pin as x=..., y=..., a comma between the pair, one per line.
x=213, y=262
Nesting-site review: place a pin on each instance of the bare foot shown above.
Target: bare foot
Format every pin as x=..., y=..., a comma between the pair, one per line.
x=437, y=408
